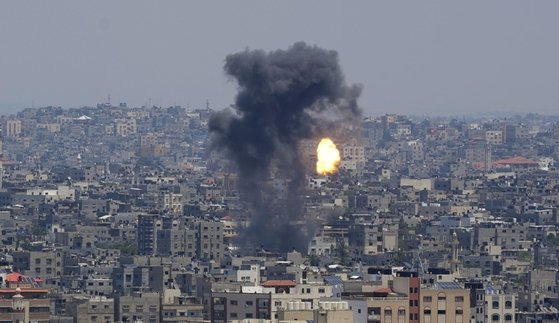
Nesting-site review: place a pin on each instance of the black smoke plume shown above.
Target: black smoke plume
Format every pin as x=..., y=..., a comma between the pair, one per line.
x=284, y=96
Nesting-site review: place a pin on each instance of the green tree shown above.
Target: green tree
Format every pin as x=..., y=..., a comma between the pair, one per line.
x=313, y=260
x=39, y=231
x=551, y=240
x=525, y=256
x=127, y=248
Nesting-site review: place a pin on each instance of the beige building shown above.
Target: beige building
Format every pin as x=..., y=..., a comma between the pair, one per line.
x=51, y=127
x=499, y=307
x=45, y=264
x=176, y=242
x=327, y=312
x=311, y=293
x=210, y=240
x=28, y=310
x=417, y=184
x=169, y=201
x=479, y=156
x=353, y=156
x=143, y=307
x=12, y=128
x=91, y=309
x=125, y=127
x=415, y=148
x=368, y=239
x=444, y=303
x=24, y=306
x=282, y=295
x=177, y=308
x=494, y=137
x=388, y=309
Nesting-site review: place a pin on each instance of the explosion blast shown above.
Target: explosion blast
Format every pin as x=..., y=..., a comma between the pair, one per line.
x=328, y=157
x=284, y=96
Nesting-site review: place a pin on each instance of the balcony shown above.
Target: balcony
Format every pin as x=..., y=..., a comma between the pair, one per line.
x=389, y=298
x=39, y=317
x=373, y=317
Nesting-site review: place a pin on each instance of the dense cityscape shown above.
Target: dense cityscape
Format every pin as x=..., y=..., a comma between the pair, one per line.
x=259, y=161
x=122, y=214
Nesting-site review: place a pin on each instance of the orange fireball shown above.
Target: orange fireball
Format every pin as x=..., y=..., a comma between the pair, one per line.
x=328, y=157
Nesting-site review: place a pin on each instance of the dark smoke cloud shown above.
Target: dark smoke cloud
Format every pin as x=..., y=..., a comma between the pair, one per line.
x=284, y=96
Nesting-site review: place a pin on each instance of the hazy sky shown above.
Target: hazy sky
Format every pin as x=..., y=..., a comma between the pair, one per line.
x=422, y=57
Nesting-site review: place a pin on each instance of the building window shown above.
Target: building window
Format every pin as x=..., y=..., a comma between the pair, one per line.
x=459, y=315
x=427, y=299
x=388, y=315
x=441, y=308
x=459, y=299
x=401, y=315
x=495, y=305
x=508, y=304
x=427, y=315
x=495, y=317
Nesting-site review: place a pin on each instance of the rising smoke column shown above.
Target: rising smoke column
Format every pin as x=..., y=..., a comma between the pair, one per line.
x=283, y=96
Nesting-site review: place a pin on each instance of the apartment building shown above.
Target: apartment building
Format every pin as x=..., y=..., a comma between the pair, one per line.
x=234, y=305
x=445, y=302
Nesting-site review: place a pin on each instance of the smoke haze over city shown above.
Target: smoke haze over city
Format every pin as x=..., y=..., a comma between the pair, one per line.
x=428, y=57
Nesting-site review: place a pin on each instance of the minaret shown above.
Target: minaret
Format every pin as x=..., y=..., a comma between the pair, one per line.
x=1, y=175
x=18, y=308
x=454, y=261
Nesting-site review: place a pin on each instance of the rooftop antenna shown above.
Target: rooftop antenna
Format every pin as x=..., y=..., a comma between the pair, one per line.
x=109, y=99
